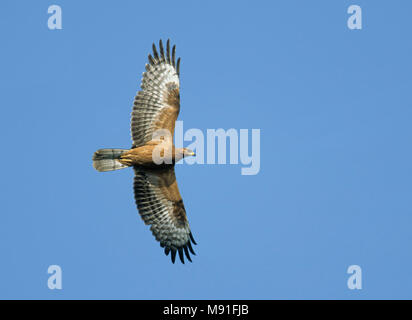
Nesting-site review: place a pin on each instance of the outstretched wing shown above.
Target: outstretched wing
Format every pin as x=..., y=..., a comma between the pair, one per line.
x=157, y=105
x=160, y=205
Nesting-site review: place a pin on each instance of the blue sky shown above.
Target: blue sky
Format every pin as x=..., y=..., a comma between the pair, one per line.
x=334, y=108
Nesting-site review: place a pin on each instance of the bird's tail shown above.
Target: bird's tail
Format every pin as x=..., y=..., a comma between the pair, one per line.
x=108, y=159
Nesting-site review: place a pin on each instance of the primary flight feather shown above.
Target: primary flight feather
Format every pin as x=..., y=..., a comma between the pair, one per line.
x=156, y=108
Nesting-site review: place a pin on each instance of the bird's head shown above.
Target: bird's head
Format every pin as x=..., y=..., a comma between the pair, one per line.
x=184, y=152
x=188, y=153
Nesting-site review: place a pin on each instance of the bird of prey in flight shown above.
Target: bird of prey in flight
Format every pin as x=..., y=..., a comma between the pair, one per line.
x=156, y=108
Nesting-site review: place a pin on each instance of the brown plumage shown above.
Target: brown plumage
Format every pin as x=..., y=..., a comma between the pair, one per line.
x=153, y=155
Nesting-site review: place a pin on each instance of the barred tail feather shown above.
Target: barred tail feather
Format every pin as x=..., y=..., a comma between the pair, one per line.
x=107, y=159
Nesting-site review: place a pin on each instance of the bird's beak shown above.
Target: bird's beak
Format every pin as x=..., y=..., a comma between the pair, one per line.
x=193, y=154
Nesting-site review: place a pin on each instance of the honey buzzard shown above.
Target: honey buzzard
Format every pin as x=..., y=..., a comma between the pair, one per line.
x=156, y=108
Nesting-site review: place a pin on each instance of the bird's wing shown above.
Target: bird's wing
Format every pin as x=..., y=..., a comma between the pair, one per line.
x=157, y=105
x=160, y=205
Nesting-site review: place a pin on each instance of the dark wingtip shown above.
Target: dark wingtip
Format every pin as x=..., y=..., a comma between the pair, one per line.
x=173, y=255
x=191, y=238
x=187, y=253
x=168, y=51
x=182, y=258
x=151, y=61
x=167, y=251
x=182, y=251
x=162, y=52
x=174, y=55
x=178, y=66
x=189, y=245
x=155, y=54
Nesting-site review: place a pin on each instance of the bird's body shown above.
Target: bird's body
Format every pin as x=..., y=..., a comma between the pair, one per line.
x=153, y=155
x=143, y=155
